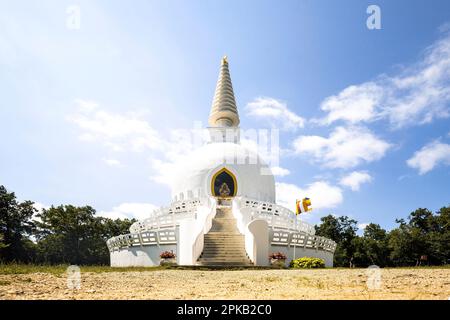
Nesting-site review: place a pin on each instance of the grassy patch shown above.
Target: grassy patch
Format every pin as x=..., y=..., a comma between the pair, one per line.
x=12, y=268
x=60, y=269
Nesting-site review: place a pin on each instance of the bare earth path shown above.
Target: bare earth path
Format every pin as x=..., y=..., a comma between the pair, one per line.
x=432, y=283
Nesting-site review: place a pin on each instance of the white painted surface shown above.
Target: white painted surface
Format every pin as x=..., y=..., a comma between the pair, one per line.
x=192, y=233
x=194, y=177
x=145, y=256
x=299, y=252
x=259, y=234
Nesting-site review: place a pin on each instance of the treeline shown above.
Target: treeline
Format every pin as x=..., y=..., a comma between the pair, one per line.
x=63, y=234
x=75, y=235
x=423, y=239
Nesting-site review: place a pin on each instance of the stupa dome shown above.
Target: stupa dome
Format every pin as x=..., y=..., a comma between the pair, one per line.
x=252, y=177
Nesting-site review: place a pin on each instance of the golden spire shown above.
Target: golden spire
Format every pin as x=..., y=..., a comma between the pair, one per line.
x=224, y=110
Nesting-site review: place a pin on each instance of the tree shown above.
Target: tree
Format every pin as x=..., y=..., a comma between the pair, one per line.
x=371, y=248
x=342, y=230
x=69, y=234
x=15, y=226
x=116, y=227
x=424, y=235
x=440, y=238
x=2, y=243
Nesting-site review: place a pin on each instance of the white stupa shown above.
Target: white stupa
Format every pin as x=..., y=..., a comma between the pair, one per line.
x=223, y=209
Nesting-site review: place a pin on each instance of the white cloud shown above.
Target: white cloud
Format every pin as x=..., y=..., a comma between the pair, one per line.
x=353, y=104
x=275, y=111
x=39, y=206
x=416, y=95
x=345, y=147
x=362, y=226
x=116, y=131
x=129, y=210
x=279, y=171
x=112, y=162
x=355, y=179
x=430, y=156
x=322, y=194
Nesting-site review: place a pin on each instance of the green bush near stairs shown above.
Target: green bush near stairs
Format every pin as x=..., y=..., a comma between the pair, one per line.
x=307, y=263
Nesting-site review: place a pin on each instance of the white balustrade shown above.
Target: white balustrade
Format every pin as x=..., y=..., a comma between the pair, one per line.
x=277, y=216
x=286, y=228
x=159, y=228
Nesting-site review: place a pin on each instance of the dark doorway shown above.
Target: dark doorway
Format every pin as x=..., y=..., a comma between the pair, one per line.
x=224, y=184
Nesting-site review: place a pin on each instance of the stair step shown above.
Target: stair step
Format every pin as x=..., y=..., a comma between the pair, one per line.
x=224, y=239
x=225, y=262
x=216, y=242
x=225, y=258
x=213, y=234
x=224, y=253
x=233, y=247
x=228, y=253
x=221, y=259
x=223, y=244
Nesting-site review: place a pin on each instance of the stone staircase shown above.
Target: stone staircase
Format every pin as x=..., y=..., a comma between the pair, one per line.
x=223, y=244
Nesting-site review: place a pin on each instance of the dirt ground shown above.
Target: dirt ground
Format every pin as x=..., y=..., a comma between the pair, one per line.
x=432, y=283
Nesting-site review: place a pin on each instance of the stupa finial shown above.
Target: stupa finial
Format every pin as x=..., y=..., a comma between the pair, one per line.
x=224, y=110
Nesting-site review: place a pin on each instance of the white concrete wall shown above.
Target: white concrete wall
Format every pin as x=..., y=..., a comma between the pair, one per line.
x=259, y=238
x=258, y=248
x=188, y=248
x=191, y=232
x=142, y=256
x=300, y=252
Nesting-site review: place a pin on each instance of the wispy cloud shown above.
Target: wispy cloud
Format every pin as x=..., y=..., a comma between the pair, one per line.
x=418, y=94
x=276, y=112
x=119, y=132
x=344, y=148
x=112, y=162
x=322, y=194
x=280, y=172
x=129, y=210
x=429, y=156
x=355, y=179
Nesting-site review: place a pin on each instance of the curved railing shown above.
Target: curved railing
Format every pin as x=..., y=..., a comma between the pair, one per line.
x=285, y=227
x=301, y=239
x=159, y=228
x=167, y=216
x=277, y=216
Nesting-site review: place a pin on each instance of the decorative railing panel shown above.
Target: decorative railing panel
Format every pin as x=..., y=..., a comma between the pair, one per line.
x=276, y=216
x=158, y=228
x=167, y=216
x=301, y=239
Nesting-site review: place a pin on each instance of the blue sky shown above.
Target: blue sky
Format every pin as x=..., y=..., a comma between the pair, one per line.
x=87, y=114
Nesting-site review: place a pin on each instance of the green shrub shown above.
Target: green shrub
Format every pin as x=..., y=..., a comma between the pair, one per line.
x=307, y=263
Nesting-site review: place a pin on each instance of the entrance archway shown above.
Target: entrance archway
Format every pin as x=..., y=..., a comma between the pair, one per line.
x=223, y=184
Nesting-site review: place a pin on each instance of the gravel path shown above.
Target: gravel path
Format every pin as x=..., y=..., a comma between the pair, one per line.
x=240, y=284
